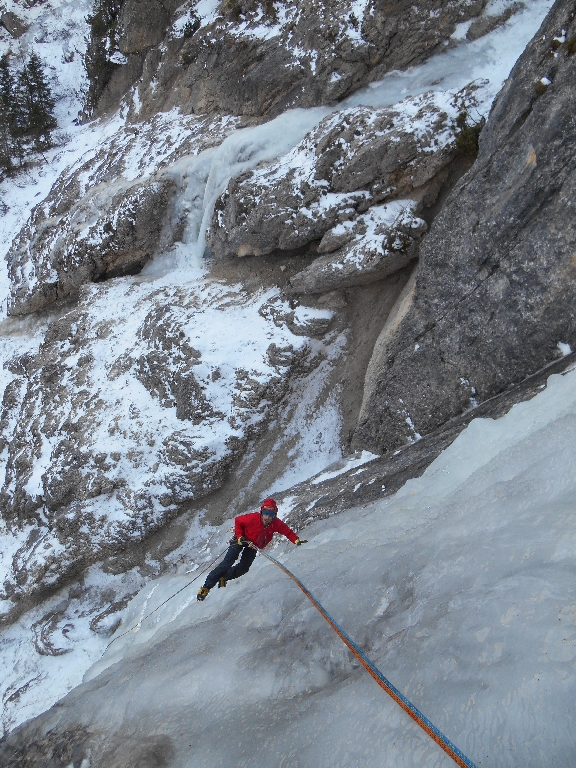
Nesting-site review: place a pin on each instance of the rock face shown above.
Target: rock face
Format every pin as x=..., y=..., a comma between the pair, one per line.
x=130, y=408
x=342, y=190
x=259, y=58
x=107, y=216
x=143, y=24
x=496, y=283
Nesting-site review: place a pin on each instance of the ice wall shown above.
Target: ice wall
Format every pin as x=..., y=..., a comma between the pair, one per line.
x=460, y=588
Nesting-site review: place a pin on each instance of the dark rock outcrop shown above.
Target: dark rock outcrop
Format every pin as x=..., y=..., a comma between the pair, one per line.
x=485, y=24
x=495, y=290
x=13, y=24
x=143, y=24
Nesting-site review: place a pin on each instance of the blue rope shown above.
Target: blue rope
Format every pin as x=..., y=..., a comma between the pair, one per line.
x=443, y=741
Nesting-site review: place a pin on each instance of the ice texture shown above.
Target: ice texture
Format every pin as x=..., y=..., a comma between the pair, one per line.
x=460, y=588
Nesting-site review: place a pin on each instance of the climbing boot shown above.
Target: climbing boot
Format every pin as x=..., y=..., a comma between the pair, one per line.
x=221, y=582
x=202, y=594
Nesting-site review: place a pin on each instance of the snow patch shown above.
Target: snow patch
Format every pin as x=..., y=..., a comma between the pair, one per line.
x=351, y=463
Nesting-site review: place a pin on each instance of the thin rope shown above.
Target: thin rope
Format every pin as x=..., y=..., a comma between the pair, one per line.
x=139, y=624
x=434, y=733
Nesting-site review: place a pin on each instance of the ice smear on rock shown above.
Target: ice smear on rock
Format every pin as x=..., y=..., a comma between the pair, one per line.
x=460, y=588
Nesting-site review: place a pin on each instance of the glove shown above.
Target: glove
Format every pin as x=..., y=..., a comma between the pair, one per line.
x=301, y=541
x=241, y=541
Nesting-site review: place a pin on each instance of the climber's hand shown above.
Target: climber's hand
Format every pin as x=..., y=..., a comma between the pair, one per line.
x=242, y=542
x=301, y=541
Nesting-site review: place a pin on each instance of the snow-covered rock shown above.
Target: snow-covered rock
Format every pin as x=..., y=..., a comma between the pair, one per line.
x=132, y=405
x=110, y=213
x=355, y=158
x=253, y=57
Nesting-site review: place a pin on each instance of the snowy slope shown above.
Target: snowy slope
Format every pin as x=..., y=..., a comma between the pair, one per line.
x=460, y=588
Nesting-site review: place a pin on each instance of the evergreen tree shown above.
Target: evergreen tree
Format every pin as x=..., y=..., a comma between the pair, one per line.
x=6, y=142
x=36, y=103
x=7, y=86
x=8, y=94
x=10, y=146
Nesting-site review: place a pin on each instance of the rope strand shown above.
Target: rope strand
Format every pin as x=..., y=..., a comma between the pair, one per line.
x=443, y=741
x=139, y=624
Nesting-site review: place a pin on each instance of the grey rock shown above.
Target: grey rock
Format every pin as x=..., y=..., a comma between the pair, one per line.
x=495, y=289
x=353, y=159
x=378, y=243
x=485, y=24
x=13, y=24
x=121, y=80
x=143, y=24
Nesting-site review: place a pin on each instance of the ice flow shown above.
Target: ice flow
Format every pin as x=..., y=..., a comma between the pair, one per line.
x=460, y=588
x=486, y=63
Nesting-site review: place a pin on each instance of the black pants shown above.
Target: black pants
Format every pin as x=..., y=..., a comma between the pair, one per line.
x=227, y=567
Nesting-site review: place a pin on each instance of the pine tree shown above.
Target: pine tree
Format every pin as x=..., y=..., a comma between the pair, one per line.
x=7, y=87
x=10, y=146
x=37, y=103
x=8, y=95
x=6, y=141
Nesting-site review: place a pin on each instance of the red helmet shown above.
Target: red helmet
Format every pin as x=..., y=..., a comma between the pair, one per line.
x=269, y=506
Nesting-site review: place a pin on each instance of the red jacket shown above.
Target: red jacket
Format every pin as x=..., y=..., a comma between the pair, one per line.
x=252, y=528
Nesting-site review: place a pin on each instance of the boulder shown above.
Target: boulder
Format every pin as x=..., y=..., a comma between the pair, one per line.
x=484, y=24
x=13, y=24
x=375, y=245
x=493, y=299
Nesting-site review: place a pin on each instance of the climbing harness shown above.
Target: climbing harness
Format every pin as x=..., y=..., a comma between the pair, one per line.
x=442, y=741
x=139, y=624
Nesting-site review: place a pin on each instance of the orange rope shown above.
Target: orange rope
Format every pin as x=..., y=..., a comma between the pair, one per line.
x=435, y=734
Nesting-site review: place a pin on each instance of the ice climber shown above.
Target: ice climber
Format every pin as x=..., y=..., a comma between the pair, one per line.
x=255, y=528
